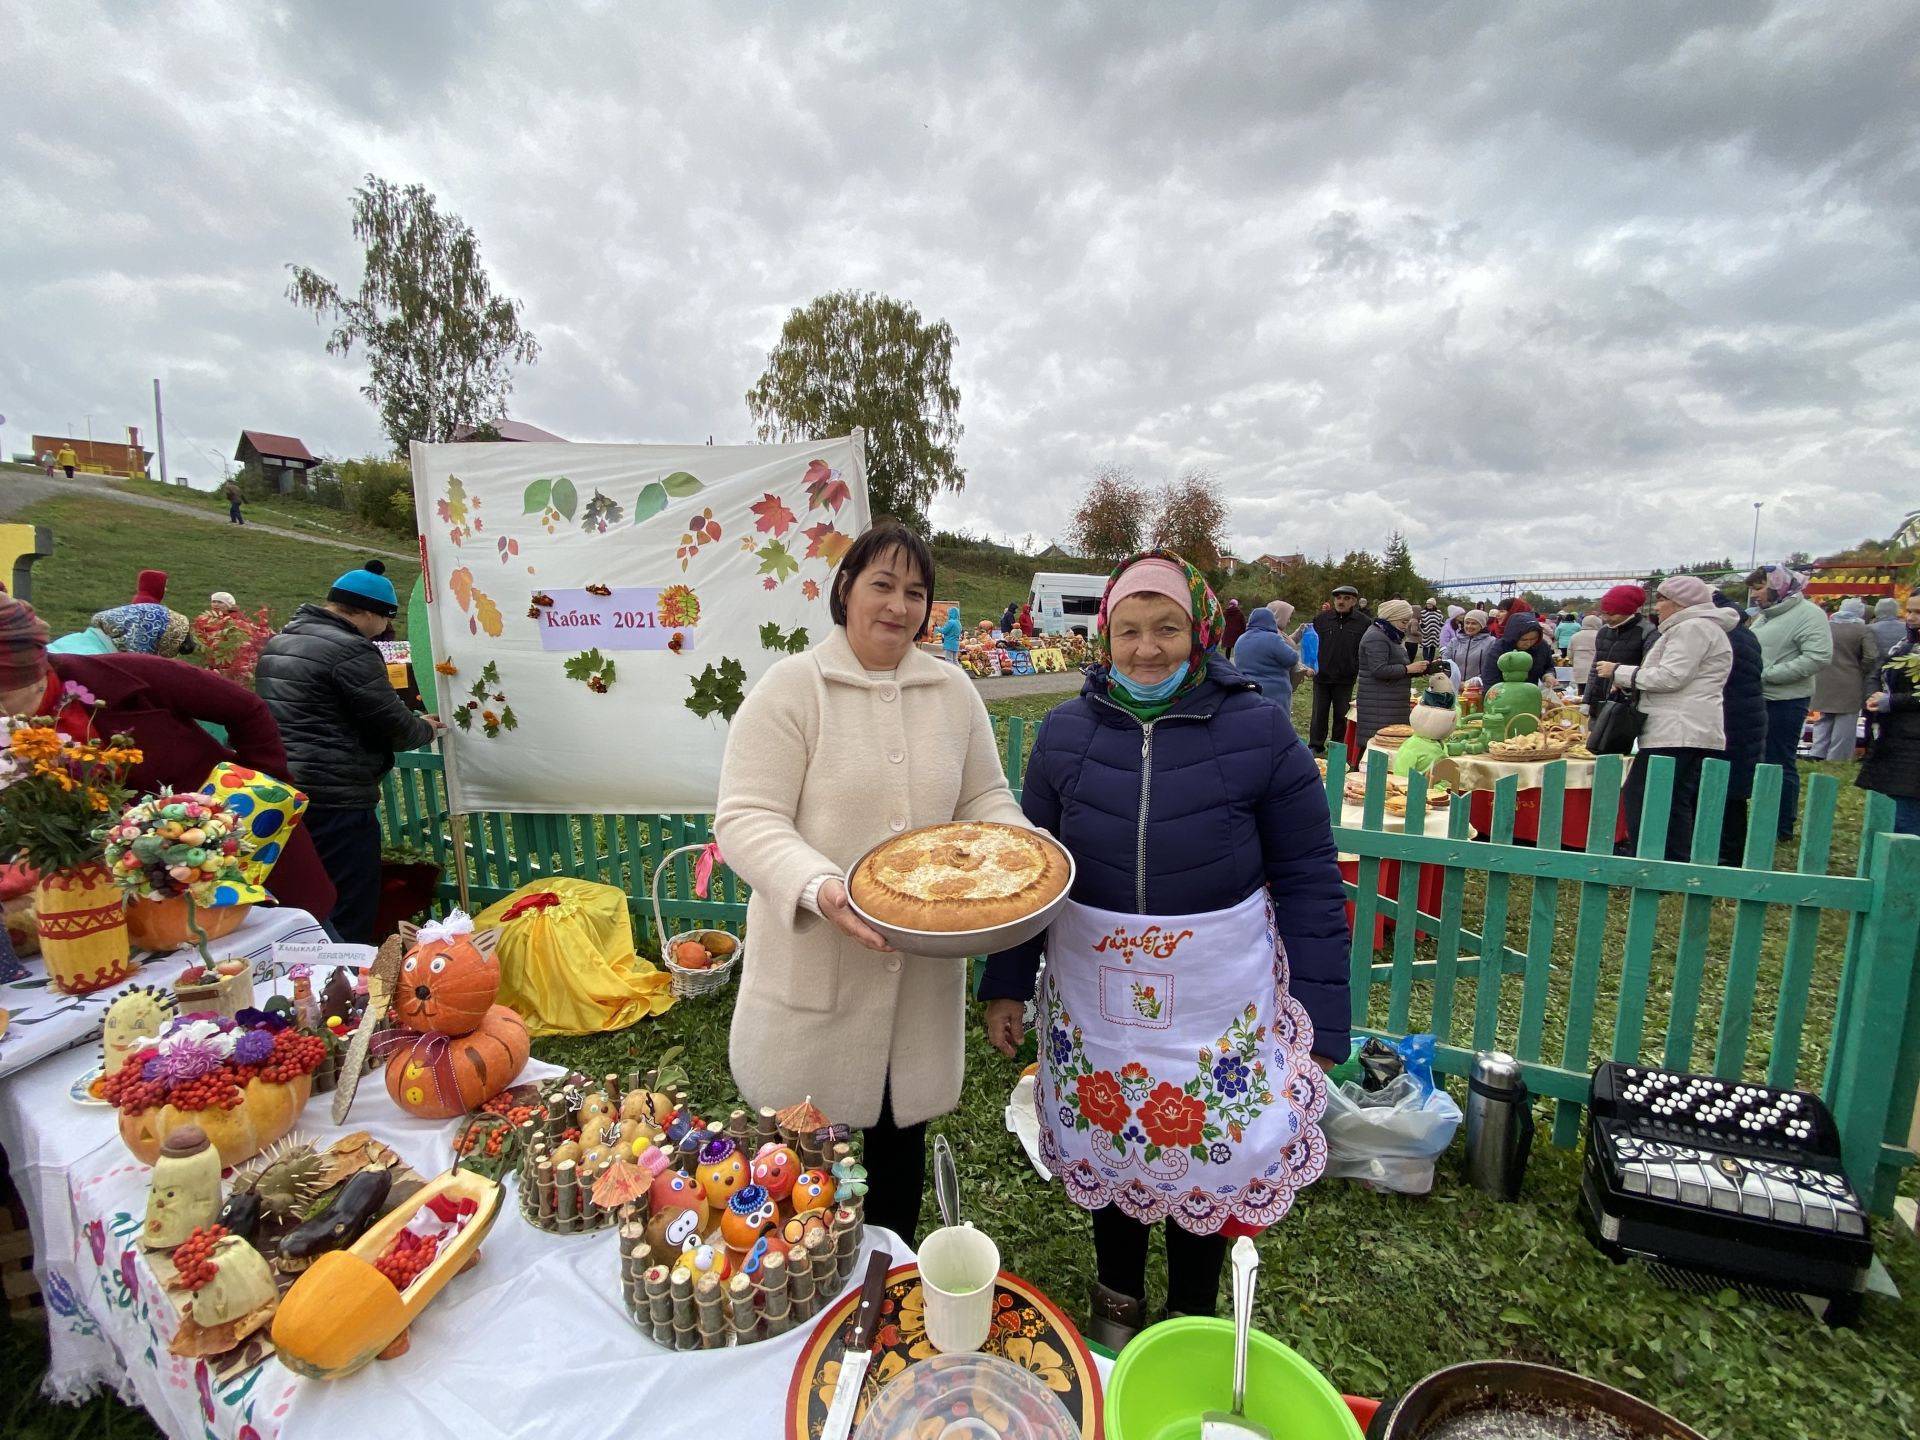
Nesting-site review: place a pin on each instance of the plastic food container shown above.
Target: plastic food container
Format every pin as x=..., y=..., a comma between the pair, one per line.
x=969, y=1397
x=1172, y=1374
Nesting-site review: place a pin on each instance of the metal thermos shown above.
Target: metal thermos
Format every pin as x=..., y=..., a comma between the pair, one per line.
x=1499, y=1124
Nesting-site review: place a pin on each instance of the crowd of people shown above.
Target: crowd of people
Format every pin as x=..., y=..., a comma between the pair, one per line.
x=322, y=714
x=1705, y=675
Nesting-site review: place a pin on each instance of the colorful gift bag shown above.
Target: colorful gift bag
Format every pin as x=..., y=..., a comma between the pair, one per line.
x=270, y=809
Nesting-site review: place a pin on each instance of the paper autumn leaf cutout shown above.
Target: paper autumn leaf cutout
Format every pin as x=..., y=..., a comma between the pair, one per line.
x=678, y=607
x=826, y=543
x=454, y=508
x=825, y=488
x=461, y=584
x=775, y=517
x=776, y=561
x=508, y=548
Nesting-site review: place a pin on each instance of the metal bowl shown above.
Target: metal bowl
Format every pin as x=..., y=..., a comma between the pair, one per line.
x=959, y=944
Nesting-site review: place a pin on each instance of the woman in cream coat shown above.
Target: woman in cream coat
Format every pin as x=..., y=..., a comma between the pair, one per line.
x=861, y=738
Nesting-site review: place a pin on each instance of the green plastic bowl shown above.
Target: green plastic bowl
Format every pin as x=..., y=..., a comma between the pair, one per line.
x=1174, y=1373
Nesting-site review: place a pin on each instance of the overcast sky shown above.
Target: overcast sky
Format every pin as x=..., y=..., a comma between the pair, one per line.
x=1555, y=284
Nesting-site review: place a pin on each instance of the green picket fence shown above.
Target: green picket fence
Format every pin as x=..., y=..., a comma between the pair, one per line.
x=1693, y=966
x=1604, y=970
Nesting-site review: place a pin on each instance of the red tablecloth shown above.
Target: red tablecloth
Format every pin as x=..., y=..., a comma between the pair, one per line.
x=1431, y=879
x=1574, y=817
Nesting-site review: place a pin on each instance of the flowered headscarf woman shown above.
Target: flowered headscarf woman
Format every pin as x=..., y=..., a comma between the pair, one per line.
x=1206, y=919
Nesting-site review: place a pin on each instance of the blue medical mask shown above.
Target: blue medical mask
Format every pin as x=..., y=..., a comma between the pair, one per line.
x=1144, y=694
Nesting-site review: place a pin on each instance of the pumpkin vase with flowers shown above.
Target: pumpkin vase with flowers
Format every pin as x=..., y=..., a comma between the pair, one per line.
x=184, y=852
x=55, y=791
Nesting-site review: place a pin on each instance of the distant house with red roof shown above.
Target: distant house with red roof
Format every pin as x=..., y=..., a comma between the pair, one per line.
x=282, y=460
x=510, y=430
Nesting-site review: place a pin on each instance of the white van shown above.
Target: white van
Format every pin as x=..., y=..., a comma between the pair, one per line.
x=1066, y=603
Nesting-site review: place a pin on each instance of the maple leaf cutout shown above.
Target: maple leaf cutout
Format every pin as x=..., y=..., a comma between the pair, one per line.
x=775, y=517
x=776, y=562
x=826, y=543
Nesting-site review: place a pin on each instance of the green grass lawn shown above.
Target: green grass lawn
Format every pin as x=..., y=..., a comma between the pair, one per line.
x=284, y=511
x=1378, y=1290
x=100, y=546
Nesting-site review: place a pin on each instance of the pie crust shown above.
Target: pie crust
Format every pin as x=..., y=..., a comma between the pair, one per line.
x=963, y=875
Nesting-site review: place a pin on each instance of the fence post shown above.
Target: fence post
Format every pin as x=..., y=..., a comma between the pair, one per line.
x=1876, y=1057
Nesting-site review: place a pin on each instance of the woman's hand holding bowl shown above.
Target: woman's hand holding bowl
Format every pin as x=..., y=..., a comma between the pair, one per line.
x=839, y=914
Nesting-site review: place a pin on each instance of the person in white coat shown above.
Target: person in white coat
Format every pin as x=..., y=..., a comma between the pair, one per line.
x=833, y=751
x=1678, y=687
x=1580, y=649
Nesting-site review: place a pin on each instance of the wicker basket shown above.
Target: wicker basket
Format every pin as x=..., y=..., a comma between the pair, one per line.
x=689, y=983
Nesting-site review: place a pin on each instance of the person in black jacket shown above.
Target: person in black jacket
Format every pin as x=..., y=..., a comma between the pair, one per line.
x=1523, y=633
x=1893, y=764
x=1338, y=664
x=1744, y=717
x=341, y=720
x=1623, y=638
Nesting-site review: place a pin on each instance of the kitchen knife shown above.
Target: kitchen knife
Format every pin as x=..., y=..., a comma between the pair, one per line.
x=859, y=1352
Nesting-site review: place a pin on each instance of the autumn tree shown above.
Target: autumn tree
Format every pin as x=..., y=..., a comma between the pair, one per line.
x=440, y=344
x=1112, y=518
x=1191, y=517
x=860, y=361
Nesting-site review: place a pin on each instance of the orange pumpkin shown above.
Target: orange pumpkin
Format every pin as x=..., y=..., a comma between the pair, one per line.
x=438, y=1076
x=447, y=983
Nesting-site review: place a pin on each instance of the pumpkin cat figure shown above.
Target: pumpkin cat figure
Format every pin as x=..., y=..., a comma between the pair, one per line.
x=466, y=1049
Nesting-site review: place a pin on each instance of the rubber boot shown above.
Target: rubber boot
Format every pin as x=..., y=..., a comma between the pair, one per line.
x=1114, y=1318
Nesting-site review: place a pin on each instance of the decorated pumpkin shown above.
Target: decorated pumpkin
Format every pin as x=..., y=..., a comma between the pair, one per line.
x=436, y=1076
x=449, y=979
x=748, y=1215
x=265, y=1115
x=720, y=1170
x=775, y=1168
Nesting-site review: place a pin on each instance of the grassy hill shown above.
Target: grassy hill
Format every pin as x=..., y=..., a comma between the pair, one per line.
x=99, y=546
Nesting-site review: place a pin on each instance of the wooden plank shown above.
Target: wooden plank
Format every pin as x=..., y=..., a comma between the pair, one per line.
x=1013, y=760
x=1589, y=946
x=1493, y=918
x=1643, y=921
x=1540, y=920
x=1406, y=925
x=389, y=809
x=1749, y=935
x=591, y=847
x=1876, y=818
x=1860, y=1088
x=415, y=824
x=1696, y=927
x=1366, y=884
x=1453, y=888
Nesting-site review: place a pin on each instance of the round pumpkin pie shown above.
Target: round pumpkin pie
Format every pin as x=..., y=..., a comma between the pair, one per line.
x=963, y=875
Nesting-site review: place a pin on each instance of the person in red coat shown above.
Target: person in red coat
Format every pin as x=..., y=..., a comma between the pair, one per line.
x=1025, y=621
x=160, y=703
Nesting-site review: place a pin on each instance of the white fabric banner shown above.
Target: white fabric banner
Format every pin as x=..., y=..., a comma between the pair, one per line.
x=578, y=592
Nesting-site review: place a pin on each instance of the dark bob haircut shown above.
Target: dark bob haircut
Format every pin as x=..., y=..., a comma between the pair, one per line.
x=879, y=541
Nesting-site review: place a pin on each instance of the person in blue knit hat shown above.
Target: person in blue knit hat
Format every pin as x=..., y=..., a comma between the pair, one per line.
x=341, y=720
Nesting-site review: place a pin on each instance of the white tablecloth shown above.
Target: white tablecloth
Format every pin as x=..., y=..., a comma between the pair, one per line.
x=534, y=1341
x=44, y=1022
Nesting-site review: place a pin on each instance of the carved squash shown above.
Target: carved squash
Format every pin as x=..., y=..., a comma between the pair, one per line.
x=267, y=1113
x=439, y=1076
x=449, y=979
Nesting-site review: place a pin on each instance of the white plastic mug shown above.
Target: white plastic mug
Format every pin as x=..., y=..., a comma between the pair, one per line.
x=957, y=1269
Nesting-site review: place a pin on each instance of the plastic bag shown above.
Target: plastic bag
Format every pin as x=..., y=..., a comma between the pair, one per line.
x=1388, y=1138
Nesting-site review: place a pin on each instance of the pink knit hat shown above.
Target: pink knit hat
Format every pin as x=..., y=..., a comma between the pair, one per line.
x=1152, y=576
x=1685, y=590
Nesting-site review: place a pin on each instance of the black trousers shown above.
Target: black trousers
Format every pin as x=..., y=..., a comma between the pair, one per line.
x=896, y=1160
x=233, y=512
x=1330, y=701
x=349, y=846
x=1194, y=1262
x=1687, y=761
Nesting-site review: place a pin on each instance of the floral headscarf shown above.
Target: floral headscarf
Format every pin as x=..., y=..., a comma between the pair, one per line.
x=1209, y=619
x=1783, y=584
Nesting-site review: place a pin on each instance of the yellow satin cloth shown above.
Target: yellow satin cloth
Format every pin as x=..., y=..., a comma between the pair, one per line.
x=569, y=969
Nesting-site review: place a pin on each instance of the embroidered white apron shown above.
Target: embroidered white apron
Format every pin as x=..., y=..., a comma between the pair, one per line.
x=1175, y=1075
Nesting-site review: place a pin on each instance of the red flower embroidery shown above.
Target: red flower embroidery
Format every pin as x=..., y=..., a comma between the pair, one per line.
x=1133, y=1070
x=1171, y=1117
x=1101, y=1101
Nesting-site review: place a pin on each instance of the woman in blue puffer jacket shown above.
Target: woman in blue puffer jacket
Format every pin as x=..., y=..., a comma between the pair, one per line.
x=1265, y=656
x=1206, y=918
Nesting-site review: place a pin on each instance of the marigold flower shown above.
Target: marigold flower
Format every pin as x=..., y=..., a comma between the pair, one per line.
x=446, y=667
x=36, y=742
x=489, y=717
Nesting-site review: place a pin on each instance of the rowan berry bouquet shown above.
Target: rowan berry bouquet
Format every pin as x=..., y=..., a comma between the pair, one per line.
x=243, y=1081
x=179, y=847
